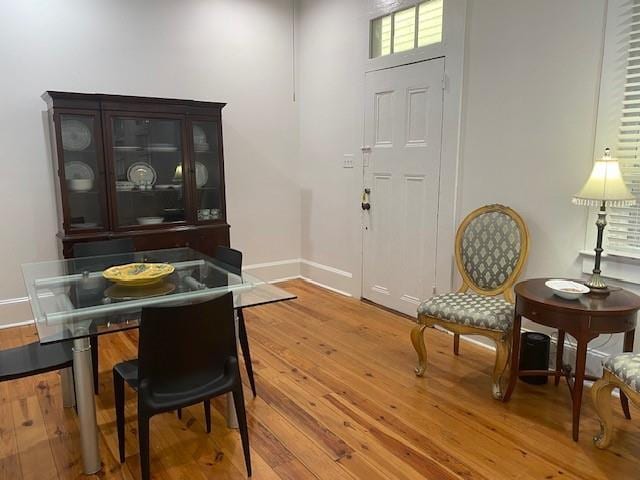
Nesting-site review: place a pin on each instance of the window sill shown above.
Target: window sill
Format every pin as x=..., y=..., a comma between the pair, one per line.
x=617, y=267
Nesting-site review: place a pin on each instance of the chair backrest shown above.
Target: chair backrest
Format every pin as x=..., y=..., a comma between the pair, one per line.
x=186, y=347
x=491, y=248
x=230, y=257
x=123, y=246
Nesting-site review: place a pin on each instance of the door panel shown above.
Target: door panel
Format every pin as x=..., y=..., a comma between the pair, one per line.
x=403, y=126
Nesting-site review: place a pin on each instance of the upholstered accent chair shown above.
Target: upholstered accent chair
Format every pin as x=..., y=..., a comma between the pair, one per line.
x=620, y=371
x=491, y=248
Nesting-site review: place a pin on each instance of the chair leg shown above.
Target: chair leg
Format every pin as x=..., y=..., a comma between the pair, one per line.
x=246, y=353
x=143, y=439
x=93, y=341
x=207, y=414
x=624, y=402
x=601, y=395
x=503, y=352
x=456, y=344
x=118, y=388
x=238, y=400
x=417, y=338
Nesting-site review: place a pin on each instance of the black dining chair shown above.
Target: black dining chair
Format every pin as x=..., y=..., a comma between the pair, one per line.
x=83, y=252
x=186, y=355
x=233, y=262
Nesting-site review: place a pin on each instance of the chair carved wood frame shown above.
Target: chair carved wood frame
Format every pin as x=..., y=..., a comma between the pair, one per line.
x=601, y=395
x=482, y=234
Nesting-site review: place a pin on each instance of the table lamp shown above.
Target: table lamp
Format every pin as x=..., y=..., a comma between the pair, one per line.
x=604, y=187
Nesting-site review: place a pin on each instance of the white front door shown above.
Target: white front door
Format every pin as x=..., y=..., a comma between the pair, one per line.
x=403, y=127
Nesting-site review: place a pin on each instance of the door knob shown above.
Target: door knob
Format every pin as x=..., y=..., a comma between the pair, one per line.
x=365, y=199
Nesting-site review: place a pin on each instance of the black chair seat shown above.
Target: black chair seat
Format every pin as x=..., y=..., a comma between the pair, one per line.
x=129, y=372
x=33, y=359
x=191, y=392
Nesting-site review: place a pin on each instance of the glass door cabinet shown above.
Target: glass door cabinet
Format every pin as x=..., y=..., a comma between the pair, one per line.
x=147, y=168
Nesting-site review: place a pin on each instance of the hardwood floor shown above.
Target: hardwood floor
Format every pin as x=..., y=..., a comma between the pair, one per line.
x=337, y=399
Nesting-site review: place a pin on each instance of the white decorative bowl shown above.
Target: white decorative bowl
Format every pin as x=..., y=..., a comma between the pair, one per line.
x=80, y=184
x=150, y=220
x=567, y=289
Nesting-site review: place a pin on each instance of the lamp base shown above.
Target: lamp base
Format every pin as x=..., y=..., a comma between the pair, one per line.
x=597, y=283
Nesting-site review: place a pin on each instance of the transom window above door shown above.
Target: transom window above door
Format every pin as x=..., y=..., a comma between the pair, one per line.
x=406, y=29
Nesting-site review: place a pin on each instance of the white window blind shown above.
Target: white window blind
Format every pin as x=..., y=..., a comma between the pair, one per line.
x=407, y=29
x=623, y=231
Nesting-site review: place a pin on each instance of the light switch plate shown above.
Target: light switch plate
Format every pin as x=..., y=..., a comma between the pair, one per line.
x=347, y=160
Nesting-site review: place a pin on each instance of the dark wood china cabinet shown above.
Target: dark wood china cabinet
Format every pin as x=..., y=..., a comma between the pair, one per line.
x=151, y=169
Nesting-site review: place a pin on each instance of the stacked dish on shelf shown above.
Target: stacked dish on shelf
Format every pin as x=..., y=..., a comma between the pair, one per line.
x=79, y=175
x=200, y=143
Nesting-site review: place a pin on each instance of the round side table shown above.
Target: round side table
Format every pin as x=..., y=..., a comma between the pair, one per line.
x=584, y=319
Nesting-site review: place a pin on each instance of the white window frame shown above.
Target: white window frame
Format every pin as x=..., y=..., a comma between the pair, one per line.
x=622, y=267
x=416, y=34
x=418, y=54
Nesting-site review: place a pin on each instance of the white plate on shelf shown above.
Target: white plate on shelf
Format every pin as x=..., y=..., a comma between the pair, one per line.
x=123, y=186
x=84, y=225
x=567, y=289
x=127, y=148
x=78, y=171
x=162, y=147
x=202, y=175
x=201, y=147
x=199, y=137
x=149, y=220
x=76, y=135
x=141, y=173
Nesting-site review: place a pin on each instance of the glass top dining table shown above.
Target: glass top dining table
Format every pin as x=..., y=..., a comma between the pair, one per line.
x=71, y=299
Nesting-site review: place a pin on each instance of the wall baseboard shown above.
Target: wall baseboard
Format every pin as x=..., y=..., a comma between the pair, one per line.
x=15, y=312
x=325, y=276
x=326, y=287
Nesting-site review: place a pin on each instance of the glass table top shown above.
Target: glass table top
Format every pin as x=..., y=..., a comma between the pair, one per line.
x=71, y=299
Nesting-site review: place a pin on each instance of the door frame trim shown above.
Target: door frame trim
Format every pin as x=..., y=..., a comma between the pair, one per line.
x=453, y=50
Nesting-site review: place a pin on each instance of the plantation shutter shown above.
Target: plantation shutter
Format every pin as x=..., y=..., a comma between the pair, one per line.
x=623, y=231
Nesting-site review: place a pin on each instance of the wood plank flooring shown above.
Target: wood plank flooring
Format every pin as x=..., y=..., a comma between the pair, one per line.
x=337, y=399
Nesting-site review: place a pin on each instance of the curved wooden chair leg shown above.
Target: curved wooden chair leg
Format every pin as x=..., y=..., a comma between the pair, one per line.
x=417, y=339
x=601, y=395
x=503, y=352
x=456, y=344
x=624, y=402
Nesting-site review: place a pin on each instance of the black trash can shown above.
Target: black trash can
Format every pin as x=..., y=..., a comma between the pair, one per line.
x=534, y=355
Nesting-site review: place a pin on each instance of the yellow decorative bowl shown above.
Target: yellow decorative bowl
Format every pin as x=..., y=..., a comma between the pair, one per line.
x=138, y=274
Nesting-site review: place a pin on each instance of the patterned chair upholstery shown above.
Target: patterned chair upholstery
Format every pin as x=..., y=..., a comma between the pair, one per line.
x=471, y=309
x=491, y=248
x=626, y=367
x=620, y=371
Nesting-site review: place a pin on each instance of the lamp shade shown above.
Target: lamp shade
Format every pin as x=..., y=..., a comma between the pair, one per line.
x=605, y=184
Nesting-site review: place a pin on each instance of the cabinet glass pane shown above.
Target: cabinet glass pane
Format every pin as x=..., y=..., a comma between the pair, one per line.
x=148, y=170
x=207, y=171
x=81, y=171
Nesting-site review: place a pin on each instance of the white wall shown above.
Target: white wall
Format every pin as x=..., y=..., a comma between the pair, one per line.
x=234, y=51
x=529, y=110
x=528, y=121
x=331, y=48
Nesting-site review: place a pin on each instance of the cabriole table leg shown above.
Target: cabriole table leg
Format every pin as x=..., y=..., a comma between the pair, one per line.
x=86, y=405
